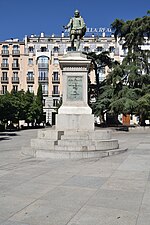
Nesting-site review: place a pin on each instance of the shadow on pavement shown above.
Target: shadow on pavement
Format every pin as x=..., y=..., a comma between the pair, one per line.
x=4, y=138
x=9, y=134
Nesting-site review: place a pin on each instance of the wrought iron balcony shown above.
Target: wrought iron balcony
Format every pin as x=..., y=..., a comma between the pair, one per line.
x=30, y=80
x=55, y=94
x=4, y=66
x=43, y=65
x=56, y=80
x=4, y=80
x=44, y=92
x=2, y=92
x=15, y=66
x=43, y=79
x=5, y=53
x=16, y=52
x=15, y=80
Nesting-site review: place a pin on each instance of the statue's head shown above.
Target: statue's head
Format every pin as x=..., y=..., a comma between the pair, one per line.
x=76, y=13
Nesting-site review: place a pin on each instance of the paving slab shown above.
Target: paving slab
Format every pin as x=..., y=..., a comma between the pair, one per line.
x=115, y=199
x=42, y=212
x=143, y=219
x=72, y=198
x=91, y=215
x=13, y=223
x=85, y=181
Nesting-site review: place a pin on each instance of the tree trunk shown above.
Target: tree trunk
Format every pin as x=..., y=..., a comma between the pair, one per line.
x=142, y=120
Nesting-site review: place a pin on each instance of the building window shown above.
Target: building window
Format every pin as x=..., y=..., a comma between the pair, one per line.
x=4, y=89
x=15, y=77
x=4, y=76
x=55, y=75
x=112, y=49
x=30, y=61
x=5, y=62
x=55, y=49
x=15, y=88
x=5, y=49
x=45, y=89
x=30, y=75
x=15, y=63
x=101, y=72
x=70, y=49
x=43, y=59
x=30, y=88
x=43, y=62
x=16, y=50
x=56, y=61
x=15, y=74
x=55, y=89
x=55, y=102
x=86, y=48
x=99, y=49
x=15, y=47
x=43, y=75
x=43, y=49
x=43, y=101
x=31, y=49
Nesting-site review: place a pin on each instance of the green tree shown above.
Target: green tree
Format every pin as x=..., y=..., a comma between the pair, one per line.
x=136, y=67
x=27, y=102
x=9, y=108
x=38, y=105
x=143, y=108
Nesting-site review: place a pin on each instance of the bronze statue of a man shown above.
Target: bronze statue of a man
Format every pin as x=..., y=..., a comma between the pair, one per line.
x=77, y=29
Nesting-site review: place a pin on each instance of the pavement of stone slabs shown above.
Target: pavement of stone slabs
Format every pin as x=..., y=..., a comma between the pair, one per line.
x=113, y=190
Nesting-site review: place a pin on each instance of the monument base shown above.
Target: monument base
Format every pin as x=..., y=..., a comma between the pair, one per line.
x=71, y=144
x=75, y=122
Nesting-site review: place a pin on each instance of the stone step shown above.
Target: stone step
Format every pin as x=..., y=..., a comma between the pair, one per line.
x=75, y=142
x=107, y=144
x=42, y=144
x=49, y=134
x=94, y=135
x=75, y=148
x=116, y=151
x=77, y=154
x=86, y=144
x=75, y=137
x=74, y=145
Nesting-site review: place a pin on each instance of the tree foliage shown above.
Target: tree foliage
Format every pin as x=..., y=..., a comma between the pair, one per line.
x=126, y=89
x=21, y=105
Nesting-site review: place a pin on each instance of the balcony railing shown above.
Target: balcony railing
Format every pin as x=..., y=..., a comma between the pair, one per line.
x=5, y=53
x=55, y=94
x=43, y=79
x=2, y=92
x=43, y=65
x=4, y=80
x=15, y=66
x=43, y=50
x=56, y=80
x=4, y=66
x=30, y=80
x=16, y=52
x=15, y=80
x=44, y=92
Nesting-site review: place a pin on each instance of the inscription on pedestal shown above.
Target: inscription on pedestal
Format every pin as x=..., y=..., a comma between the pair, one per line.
x=74, y=88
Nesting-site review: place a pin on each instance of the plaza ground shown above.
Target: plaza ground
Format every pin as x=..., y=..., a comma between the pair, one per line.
x=113, y=190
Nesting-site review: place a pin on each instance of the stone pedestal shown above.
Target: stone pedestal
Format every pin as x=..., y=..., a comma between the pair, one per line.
x=74, y=135
x=75, y=113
